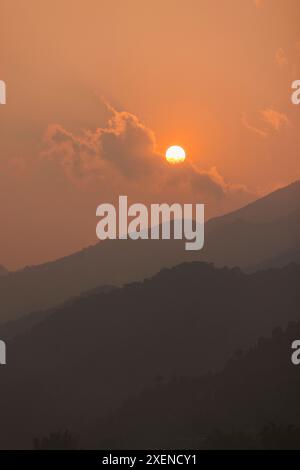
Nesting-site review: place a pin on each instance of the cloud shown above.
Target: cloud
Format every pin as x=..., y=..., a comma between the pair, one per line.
x=128, y=144
x=258, y=3
x=124, y=155
x=257, y=130
x=280, y=58
x=274, y=120
x=125, y=145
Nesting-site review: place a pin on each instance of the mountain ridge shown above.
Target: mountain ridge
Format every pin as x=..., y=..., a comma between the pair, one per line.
x=90, y=355
x=235, y=239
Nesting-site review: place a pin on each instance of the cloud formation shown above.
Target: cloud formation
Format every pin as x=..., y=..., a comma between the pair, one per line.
x=274, y=118
x=124, y=152
x=258, y=3
x=280, y=58
x=251, y=127
x=125, y=145
x=273, y=121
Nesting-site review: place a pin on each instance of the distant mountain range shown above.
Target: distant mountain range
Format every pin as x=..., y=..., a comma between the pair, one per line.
x=260, y=233
x=257, y=390
x=264, y=233
x=3, y=271
x=83, y=359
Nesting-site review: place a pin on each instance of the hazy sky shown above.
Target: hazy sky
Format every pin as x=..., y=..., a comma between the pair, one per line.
x=97, y=90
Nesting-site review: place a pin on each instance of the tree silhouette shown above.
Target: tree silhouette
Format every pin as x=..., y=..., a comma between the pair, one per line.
x=57, y=441
x=274, y=436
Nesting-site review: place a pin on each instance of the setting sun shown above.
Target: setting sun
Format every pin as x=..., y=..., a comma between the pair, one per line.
x=175, y=154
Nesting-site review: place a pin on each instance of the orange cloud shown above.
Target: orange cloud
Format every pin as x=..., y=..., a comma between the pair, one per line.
x=280, y=58
x=274, y=118
x=124, y=153
x=257, y=130
x=258, y=3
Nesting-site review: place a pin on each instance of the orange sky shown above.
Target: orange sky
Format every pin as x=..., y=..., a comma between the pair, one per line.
x=213, y=76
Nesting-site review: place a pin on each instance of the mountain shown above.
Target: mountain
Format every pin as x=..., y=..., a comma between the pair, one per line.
x=23, y=324
x=117, y=261
x=86, y=357
x=264, y=230
x=278, y=261
x=252, y=403
x=274, y=206
x=3, y=271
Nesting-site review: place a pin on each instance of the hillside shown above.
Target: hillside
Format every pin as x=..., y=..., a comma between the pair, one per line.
x=252, y=403
x=90, y=354
x=264, y=230
x=3, y=271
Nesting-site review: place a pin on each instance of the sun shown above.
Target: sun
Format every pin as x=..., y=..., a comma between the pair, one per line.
x=175, y=154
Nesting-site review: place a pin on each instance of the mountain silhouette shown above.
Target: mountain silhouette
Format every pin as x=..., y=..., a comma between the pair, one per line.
x=252, y=403
x=13, y=328
x=278, y=261
x=87, y=356
x=263, y=230
x=3, y=271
